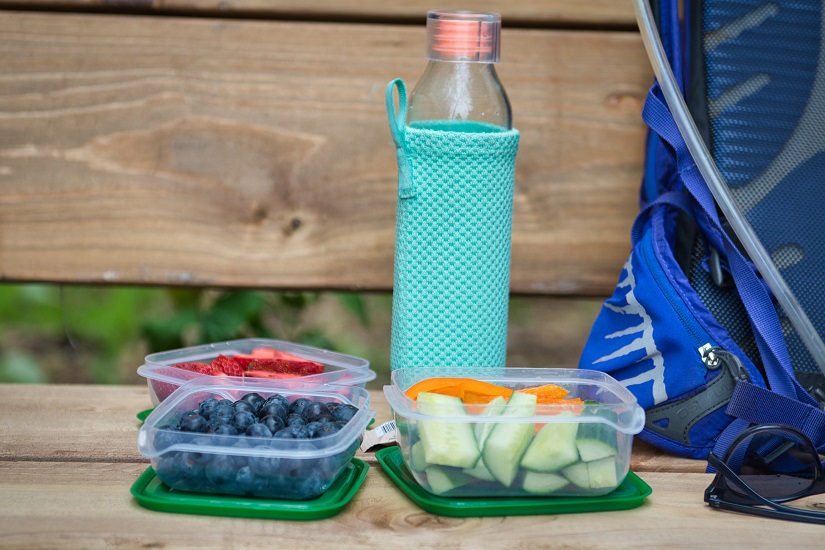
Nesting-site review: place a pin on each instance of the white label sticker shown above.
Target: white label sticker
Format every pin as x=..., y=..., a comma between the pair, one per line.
x=382, y=435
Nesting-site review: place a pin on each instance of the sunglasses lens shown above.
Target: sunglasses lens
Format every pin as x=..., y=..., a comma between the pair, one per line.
x=775, y=463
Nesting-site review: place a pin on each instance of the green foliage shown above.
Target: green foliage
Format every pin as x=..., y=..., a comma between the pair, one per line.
x=103, y=329
x=202, y=316
x=18, y=366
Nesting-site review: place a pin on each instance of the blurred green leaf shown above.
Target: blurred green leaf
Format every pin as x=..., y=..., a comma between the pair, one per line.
x=355, y=305
x=230, y=314
x=21, y=367
x=166, y=333
x=316, y=338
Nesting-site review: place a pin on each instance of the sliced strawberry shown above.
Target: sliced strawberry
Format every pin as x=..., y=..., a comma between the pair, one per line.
x=270, y=374
x=270, y=353
x=228, y=365
x=301, y=368
x=242, y=360
x=288, y=356
x=201, y=368
x=263, y=353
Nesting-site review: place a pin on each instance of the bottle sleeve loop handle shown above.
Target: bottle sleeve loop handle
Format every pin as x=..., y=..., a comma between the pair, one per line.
x=398, y=123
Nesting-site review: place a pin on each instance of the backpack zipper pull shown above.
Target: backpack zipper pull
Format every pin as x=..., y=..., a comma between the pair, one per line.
x=715, y=357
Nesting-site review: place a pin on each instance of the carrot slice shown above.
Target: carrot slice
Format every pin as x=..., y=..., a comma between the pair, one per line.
x=455, y=391
x=472, y=398
x=547, y=391
x=574, y=405
x=464, y=385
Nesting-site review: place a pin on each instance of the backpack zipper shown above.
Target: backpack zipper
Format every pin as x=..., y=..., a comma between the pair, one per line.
x=655, y=270
x=715, y=357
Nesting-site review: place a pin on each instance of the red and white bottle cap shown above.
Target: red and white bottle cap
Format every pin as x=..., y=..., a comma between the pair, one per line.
x=463, y=36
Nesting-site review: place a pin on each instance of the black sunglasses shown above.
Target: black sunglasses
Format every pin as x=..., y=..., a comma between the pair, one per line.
x=765, y=466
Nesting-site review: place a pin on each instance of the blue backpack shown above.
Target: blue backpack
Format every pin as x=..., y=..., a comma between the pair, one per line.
x=704, y=324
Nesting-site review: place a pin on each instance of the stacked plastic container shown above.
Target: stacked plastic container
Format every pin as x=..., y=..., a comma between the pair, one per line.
x=163, y=377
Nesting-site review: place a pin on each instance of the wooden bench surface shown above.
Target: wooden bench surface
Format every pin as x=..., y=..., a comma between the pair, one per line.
x=68, y=455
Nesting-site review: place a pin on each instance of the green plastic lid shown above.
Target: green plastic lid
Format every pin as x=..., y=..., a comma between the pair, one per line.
x=152, y=493
x=629, y=494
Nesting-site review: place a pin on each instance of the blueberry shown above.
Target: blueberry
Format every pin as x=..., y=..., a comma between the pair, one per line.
x=274, y=423
x=240, y=443
x=277, y=398
x=326, y=428
x=253, y=399
x=331, y=405
x=299, y=405
x=286, y=433
x=193, y=423
x=324, y=418
x=247, y=482
x=298, y=431
x=313, y=428
x=273, y=409
x=243, y=406
x=242, y=420
x=223, y=413
x=293, y=467
x=221, y=428
x=166, y=467
x=344, y=413
x=166, y=436
x=258, y=430
x=189, y=465
x=309, y=487
x=221, y=470
x=314, y=410
x=197, y=459
x=295, y=419
x=265, y=465
x=207, y=406
x=327, y=467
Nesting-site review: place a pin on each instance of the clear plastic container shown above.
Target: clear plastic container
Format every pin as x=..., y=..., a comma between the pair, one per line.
x=270, y=467
x=516, y=447
x=163, y=377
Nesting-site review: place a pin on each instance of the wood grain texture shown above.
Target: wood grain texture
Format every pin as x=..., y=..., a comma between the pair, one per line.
x=209, y=152
x=98, y=424
x=88, y=505
x=525, y=12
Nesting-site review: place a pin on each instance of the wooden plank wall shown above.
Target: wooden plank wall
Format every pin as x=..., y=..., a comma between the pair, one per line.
x=245, y=143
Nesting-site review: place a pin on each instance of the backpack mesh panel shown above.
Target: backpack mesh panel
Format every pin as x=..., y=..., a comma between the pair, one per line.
x=765, y=90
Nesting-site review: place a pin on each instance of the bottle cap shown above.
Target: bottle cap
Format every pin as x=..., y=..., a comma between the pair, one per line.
x=463, y=36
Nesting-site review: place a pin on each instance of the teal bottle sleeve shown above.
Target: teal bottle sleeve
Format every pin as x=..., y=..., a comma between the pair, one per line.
x=452, y=241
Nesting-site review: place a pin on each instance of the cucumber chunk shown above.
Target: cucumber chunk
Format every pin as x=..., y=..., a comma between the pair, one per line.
x=597, y=440
x=507, y=442
x=480, y=471
x=543, y=484
x=442, y=480
x=553, y=447
x=446, y=443
x=602, y=473
x=577, y=474
x=598, y=474
x=417, y=461
x=482, y=430
x=594, y=449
